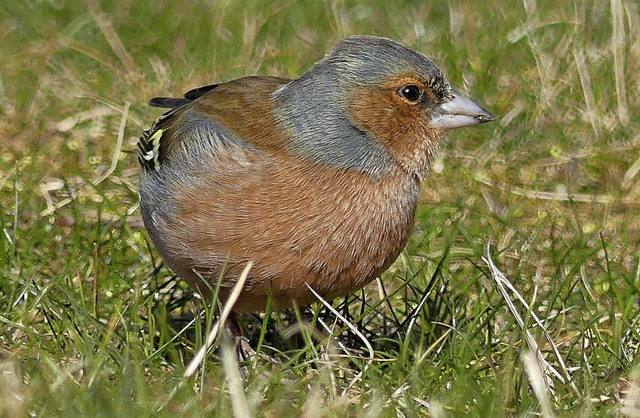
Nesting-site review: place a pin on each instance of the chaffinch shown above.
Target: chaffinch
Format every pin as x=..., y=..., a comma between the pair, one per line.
x=315, y=179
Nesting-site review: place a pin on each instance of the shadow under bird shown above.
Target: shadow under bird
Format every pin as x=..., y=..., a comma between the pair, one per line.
x=315, y=180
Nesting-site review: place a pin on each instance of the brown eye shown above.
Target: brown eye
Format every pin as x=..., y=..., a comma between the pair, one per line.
x=411, y=92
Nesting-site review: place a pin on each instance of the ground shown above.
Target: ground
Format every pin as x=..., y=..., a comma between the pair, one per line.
x=546, y=200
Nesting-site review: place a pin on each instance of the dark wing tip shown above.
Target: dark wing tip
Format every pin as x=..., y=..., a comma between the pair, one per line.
x=197, y=92
x=191, y=95
x=168, y=102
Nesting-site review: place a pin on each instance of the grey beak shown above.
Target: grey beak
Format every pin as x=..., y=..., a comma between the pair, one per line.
x=458, y=112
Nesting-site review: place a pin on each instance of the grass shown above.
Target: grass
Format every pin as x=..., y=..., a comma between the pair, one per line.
x=551, y=193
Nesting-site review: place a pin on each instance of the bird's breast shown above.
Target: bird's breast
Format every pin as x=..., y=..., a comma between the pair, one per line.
x=330, y=228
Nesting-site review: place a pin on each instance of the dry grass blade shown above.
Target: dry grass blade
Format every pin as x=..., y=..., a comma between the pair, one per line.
x=536, y=377
x=554, y=196
x=501, y=281
x=355, y=330
x=239, y=401
x=352, y=327
x=45, y=188
x=118, y=147
x=618, y=59
x=330, y=331
x=111, y=36
x=585, y=81
x=630, y=174
x=211, y=337
x=215, y=330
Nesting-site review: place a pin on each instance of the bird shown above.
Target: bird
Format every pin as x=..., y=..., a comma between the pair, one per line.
x=315, y=180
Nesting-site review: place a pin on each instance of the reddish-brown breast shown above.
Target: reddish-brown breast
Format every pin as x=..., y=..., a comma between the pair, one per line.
x=333, y=229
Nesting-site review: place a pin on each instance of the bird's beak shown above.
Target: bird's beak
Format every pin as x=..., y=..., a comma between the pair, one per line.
x=458, y=112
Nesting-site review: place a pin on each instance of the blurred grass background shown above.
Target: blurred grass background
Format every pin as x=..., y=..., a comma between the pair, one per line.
x=552, y=189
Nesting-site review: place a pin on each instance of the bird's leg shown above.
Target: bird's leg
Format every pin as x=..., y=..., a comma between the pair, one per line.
x=234, y=326
x=243, y=349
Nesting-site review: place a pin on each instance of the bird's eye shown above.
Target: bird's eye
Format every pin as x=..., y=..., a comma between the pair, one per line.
x=411, y=92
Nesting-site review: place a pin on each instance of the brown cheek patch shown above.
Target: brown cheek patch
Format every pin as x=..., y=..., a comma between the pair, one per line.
x=402, y=128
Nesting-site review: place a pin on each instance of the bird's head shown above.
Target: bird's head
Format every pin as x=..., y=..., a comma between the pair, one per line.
x=376, y=103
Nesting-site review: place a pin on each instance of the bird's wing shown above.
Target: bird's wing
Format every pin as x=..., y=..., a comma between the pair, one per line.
x=243, y=107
